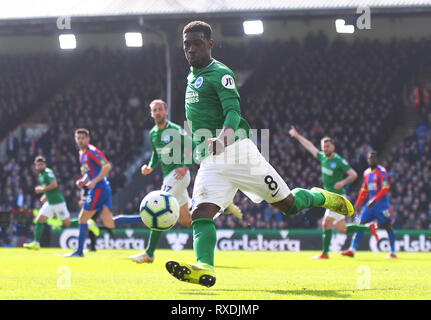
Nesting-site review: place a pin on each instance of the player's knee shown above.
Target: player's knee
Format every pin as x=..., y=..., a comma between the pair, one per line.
x=205, y=210
x=284, y=205
x=185, y=221
x=386, y=225
x=341, y=228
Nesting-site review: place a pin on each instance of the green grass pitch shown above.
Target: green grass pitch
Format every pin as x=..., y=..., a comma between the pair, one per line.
x=241, y=275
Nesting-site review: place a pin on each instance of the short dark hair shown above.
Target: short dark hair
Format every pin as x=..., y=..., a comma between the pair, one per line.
x=199, y=26
x=83, y=131
x=40, y=159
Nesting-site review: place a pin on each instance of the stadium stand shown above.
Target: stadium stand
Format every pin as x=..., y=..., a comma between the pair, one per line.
x=350, y=91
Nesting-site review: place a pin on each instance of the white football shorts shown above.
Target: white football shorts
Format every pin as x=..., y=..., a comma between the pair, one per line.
x=59, y=209
x=240, y=167
x=177, y=187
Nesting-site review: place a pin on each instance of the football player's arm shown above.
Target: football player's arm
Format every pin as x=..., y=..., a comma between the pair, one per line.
x=351, y=176
x=363, y=193
x=100, y=160
x=154, y=161
x=102, y=174
x=229, y=100
x=51, y=186
x=307, y=144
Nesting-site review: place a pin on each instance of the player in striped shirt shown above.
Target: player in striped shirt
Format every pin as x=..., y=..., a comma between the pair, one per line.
x=99, y=197
x=374, y=188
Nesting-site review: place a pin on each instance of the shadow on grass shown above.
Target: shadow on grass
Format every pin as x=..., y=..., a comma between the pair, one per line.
x=198, y=293
x=310, y=292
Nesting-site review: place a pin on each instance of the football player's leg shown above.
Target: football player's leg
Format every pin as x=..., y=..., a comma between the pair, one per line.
x=327, y=224
x=384, y=221
x=83, y=218
x=63, y=213
x=43, y=215
x=204, y=241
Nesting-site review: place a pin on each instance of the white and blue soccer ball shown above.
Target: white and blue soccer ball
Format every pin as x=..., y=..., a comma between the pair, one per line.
x=159, y=210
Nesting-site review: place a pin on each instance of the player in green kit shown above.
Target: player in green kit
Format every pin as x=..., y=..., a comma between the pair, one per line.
x=334, y=167
x=169, y=140
x=53, y=203
x=230, y=161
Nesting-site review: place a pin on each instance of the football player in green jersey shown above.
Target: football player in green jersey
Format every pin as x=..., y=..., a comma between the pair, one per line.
x=334, y=167
x=230, y=161
x=176, y=174
x=53, y=202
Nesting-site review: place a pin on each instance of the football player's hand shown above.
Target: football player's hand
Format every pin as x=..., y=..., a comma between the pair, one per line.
x=90, y=185
x=293, y=133
x=145, y=169
x=38, y=189
x=179, y=173
x=43, y=199
x=80, y=183
x=339, y=185
x=215, y=146
x=371, y=204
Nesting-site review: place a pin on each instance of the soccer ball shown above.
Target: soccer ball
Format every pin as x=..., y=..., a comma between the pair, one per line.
x=159, y=210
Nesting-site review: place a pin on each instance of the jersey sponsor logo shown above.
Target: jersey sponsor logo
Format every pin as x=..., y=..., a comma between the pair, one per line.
x=198, y=82
x=228, y=82
x=166, y=139
x=192, y=97
x=333, y=165
x=327, y=171
x=372, y=186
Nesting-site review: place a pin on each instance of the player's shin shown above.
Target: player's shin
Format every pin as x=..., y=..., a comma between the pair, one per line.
x=303, y=198
x=204, y=240
x=326, y=240
x=38, y=231
x=83, y=230
x=355, y=240
x=352, y=228
x=391, y=235
x=152, y=242
x=127, y=219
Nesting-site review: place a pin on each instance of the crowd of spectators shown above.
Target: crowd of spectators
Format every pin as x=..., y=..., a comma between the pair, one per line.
x=349, y=91
x=109, y=96
x=26, y=79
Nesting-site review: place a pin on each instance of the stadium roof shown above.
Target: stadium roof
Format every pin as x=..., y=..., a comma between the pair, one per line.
x=30, y=9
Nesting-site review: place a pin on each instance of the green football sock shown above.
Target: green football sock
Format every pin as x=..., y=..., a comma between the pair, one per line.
x=38, y=230
x=74, y=223
x=204, y=240
x=304, y=198
x=152, y=242
x=326, y=240
x=352, y=228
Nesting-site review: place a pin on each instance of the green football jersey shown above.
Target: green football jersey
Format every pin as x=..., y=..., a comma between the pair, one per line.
x=210, y=94
x=172, y=148
x=53, y=196
x=332, y=171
